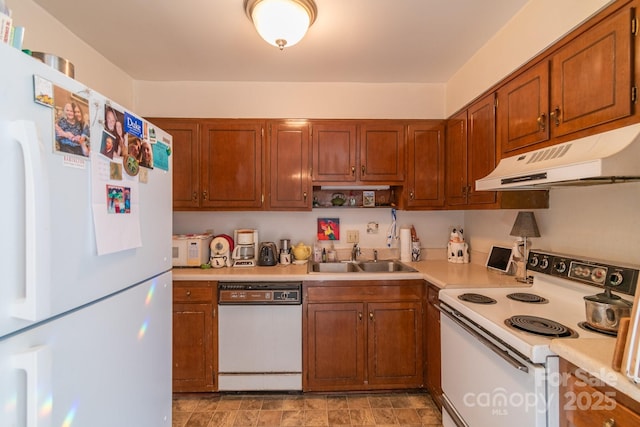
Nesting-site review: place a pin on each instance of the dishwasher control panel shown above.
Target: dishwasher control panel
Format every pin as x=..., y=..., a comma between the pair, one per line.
x=246, y=293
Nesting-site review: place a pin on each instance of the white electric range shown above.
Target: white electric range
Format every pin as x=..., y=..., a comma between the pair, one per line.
x=497, y=372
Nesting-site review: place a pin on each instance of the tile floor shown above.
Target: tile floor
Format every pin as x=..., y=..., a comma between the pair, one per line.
x=389, y=409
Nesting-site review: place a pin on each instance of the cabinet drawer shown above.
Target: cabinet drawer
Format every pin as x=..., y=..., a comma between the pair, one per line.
x=192, y=294
x=407, y=290
x=585, y=406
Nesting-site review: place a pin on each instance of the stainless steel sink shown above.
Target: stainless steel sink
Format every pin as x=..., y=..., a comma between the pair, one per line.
x=333, y=267
x=386, y=266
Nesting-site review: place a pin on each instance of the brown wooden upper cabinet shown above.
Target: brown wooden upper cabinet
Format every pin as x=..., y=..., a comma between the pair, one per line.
x=186, y=160
x=425, y=165
x=289, y=180
x=585, y=83
x=231, y=161
x=372, y=152
x=471, y=154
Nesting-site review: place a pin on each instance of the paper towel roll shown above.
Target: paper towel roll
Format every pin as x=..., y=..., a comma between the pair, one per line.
x=405, y=244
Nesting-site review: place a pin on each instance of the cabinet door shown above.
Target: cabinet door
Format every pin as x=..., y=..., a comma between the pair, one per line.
x=425, y=165
x=232, y=159
x=456, y=160
x=193, y=368
x=333, y=152
x=394, y=337
x=186, y=160
x=481, y=148
x=523, y=110
x=591, y=77
x=382, y=152
x=289, y=183
x=335, y=346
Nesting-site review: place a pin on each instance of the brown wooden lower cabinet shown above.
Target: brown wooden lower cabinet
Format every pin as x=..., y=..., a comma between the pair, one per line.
x=361, y=335
x=588, y=402
x=194, y=336
x=432, y=338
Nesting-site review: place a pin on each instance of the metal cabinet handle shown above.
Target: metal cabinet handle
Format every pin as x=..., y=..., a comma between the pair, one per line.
x=411, y=195
x=305, y=196
x=542, y=122
x=188, y=293
x=194, y=196
x=371, y=315
x=363, y=168
x=556, y=116
x=360, y=315
x=609, y=423
x=204, y=195
x=353, y=170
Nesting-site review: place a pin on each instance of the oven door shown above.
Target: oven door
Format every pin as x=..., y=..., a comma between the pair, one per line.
x=486, y=385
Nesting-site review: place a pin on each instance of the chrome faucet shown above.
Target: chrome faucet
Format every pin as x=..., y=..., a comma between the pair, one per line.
x=355, y=252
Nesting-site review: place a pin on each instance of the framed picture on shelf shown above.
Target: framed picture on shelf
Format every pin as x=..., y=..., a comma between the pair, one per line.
x=368, y=199
x=328, y=229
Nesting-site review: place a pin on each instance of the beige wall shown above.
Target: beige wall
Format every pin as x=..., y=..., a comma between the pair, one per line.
x=46, y=34
x=289, y=100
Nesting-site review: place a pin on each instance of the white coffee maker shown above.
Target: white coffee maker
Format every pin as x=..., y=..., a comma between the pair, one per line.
x=245, y=252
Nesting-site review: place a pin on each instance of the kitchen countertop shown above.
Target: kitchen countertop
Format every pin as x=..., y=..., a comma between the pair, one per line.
x=595, y=356
x=438, y=272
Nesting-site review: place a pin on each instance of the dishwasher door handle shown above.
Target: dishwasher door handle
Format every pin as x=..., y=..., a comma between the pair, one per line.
x=504, y=354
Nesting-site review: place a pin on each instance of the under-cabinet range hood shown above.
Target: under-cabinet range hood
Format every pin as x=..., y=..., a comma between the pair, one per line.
x=605, y=158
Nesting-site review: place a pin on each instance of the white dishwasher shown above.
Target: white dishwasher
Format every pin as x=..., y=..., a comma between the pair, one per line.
x=259, y=336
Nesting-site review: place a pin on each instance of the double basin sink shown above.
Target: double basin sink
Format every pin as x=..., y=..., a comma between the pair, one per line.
x=381, y=266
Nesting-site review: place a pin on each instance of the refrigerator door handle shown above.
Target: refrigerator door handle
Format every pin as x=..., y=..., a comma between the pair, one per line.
x=33, y=305
x=36, y=363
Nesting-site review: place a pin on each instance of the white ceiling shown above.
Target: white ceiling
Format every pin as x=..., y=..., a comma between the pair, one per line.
x=414, y=41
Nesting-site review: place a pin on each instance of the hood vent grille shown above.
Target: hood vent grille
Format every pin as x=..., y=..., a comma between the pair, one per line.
x=550, y=153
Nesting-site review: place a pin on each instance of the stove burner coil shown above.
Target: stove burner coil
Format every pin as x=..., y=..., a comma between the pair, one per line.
x=587, y=327
x=540, y=326
x=476, y=298
x=528, y=298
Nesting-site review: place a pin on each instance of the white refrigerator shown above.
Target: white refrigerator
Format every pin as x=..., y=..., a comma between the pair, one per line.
x=85, y=335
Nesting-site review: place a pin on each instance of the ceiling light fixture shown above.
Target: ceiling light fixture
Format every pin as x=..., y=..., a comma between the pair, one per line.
x=281, y=22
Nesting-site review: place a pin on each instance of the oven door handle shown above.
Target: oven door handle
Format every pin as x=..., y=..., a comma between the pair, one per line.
x=447, y=406
x=490, y=345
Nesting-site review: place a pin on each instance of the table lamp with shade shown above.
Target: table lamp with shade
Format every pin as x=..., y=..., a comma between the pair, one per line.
x=525, y=226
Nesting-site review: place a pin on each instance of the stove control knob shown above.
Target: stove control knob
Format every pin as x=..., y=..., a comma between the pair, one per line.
x=598, y=274
x=534, y=261
x=544, y=263
x=616, y=279
x=561, y=267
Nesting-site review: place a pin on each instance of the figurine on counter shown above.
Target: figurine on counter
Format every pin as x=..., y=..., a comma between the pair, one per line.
x=457, y=248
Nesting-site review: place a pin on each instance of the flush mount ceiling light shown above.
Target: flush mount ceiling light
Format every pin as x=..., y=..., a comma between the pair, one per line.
x=281, y=22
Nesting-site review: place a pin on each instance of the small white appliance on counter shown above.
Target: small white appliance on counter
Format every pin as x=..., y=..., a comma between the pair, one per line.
x=191, y=250
x=245, y=252
x=85, y=339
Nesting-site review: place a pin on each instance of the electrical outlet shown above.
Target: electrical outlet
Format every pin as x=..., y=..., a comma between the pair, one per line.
x=353, y=236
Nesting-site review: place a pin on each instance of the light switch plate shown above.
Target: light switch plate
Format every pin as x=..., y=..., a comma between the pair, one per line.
x=353, y=236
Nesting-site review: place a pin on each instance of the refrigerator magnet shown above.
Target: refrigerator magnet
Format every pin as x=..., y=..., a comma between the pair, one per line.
x=131, y=166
